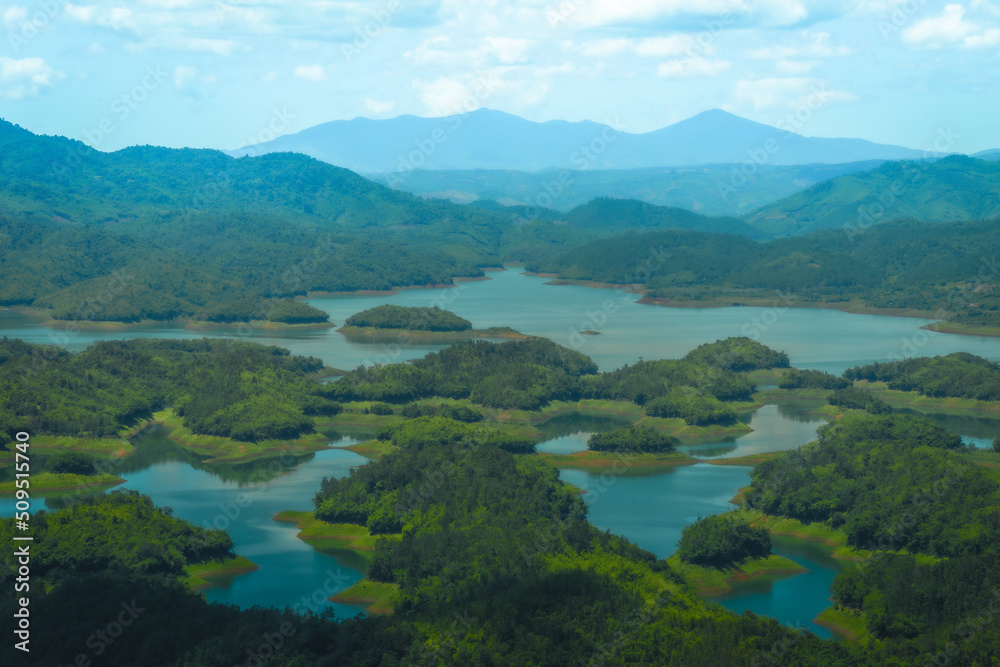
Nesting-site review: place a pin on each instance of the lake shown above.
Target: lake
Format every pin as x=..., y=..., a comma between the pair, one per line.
x=650, y=510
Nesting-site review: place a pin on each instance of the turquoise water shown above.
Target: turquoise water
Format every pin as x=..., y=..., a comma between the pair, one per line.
x=649, y=510
x=813, y=338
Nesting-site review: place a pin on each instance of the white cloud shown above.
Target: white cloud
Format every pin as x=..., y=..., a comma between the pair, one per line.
x=96, y=49
x=810, y=45
x=186, y=73
x=443, y=96
x=310, y=72
x=220, y=47
x=26, y=77
x=691, y=67
x=508, y=50
x=658, y=47
x=183, y=74
x=15, y=14
x=789, y=92
x=949, y=28
x=795, y=67
x=81, y=13
x=119, y=18
x=377, y=108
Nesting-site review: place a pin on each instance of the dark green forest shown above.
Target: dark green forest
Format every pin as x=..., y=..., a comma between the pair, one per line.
x=388, y=316
x=941, y=269
x=227, y=388
x=633, y=439
x=959, y=374
x=720, y=541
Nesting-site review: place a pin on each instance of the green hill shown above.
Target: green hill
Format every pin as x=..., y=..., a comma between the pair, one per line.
x=930, y=267
x=157, y=233
x=955, y=188
x=618, y=215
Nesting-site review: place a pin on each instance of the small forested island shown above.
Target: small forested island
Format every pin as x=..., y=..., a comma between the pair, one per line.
x=419, y=322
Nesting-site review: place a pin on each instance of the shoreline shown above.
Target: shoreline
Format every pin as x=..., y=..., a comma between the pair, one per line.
x=201, y=575
x=855, y=308
x=634, y=464
x=709, y=582
x=423, y=334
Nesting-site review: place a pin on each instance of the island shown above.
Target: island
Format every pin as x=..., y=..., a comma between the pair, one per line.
x=406, y=322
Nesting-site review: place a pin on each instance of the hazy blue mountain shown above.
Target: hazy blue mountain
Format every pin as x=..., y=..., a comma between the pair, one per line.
x=706, y=189
x=487, y=139
x=955, y=188
x=990, y=154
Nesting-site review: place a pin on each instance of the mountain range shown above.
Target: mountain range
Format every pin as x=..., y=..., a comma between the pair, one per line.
x=488, y=139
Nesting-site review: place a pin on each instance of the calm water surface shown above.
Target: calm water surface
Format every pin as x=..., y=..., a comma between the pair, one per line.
x=650, y=510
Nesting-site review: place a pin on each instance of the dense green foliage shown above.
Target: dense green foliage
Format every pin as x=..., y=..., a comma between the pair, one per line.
x=946, y=190
x=221, y=387
x=903, y=599
x=620, y=215
x=633, y=439
x=388, y=316
x=121, y=530
x=73, y=463
x=158, y=233
x=528, y=374
x=958, y=374
x=738, y=354
x=892, y=482
x=502, y=540
x=808, y=379
x=457, y=411
x=444, y=430
x=523, y=374
x=856, y=398
x=720, y=541
x=691, y=405
x=643, y=381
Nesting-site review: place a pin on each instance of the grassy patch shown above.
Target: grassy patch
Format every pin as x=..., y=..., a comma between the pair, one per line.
x=966, y=329
x=917, y=401
x=373, y=596
x=985, y=458
x=114, y=447
x=850, y=625
x=711, y=581
x=324, y=536
x=834, y=538
x=227, y=450
x=216, y=572
x=750, y=460
x=373, y=449
x=48, y=481
x=618, y=463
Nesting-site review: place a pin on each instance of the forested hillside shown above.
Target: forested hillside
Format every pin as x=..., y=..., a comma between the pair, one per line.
x=225, y=388
x=955, y=188
x=943, y=269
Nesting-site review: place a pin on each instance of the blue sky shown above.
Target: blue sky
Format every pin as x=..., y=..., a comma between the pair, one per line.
x=225, y=73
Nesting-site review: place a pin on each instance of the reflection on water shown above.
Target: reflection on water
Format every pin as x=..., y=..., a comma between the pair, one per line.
x=568, y=433
x=976, y=431
x=242, y=499
x=795, y=600
x=781, y=427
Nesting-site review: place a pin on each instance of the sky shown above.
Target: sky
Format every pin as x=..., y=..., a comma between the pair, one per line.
x=228, y=73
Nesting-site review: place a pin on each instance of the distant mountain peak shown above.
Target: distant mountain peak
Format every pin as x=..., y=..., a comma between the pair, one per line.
x=491, y=139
